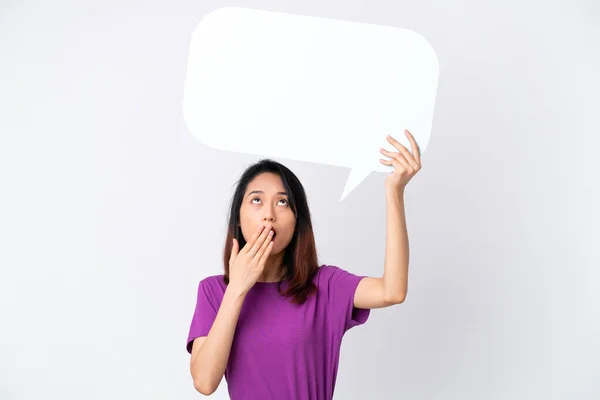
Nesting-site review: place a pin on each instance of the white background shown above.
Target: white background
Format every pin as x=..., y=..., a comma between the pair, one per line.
x=111, y=211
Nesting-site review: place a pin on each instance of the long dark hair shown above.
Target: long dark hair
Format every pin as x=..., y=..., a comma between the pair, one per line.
x=301, y=254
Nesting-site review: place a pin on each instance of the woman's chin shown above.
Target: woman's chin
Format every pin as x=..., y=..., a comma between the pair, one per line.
x=277, y=247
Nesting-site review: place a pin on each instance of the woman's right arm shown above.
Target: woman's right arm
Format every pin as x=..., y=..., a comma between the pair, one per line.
x=211, y=353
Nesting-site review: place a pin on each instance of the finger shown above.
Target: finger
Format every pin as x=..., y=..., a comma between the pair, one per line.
x=386, y=162
x=264, y=246
x=396, y=156
x=265, y=255
x=404, y=151
x=415, y=147
x=253, y=239
x=394, y=163
x=234, y=251
x=259, y=242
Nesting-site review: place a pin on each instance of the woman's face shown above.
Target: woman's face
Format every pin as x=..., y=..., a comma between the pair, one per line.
x=265, y=201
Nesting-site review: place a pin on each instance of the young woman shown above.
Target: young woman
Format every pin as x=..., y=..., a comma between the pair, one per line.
x=273, y=323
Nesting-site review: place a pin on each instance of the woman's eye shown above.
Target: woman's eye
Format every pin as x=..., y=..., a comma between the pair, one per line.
x=256, y=198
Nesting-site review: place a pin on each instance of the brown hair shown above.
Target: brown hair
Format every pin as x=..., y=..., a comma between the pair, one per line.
x=300, y=256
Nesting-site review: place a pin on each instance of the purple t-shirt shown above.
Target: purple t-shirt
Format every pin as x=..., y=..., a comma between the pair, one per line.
x=282, y=350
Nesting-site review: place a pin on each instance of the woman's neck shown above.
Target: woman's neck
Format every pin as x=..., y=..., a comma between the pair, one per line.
x=274, y=270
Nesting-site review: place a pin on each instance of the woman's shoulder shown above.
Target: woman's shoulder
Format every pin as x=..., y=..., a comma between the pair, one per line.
x=212, y=286
x=328, y=270
x=211, y=280
x=333, y=276
x=327, y=273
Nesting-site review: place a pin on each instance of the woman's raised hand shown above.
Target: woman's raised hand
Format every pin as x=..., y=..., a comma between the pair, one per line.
x=246, y=266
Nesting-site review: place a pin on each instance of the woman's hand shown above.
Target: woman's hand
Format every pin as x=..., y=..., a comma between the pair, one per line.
x=405, y=164
x=246, y=266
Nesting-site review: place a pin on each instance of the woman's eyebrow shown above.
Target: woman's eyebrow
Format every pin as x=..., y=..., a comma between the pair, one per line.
x=261, y=192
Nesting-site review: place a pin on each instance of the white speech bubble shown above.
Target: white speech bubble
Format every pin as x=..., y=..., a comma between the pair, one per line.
x=307, y=88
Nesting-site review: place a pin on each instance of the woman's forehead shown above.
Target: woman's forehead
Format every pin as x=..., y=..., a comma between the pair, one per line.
x=266, y=183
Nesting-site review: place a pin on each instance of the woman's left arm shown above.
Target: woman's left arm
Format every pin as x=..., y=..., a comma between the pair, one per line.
x=392, y=287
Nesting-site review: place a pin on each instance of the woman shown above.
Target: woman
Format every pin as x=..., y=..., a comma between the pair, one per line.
x=273, y=323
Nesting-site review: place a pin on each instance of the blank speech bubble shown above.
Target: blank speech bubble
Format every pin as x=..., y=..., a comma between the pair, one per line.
x=307, y=88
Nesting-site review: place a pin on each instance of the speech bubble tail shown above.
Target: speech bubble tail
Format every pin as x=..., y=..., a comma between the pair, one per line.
x=354, y=179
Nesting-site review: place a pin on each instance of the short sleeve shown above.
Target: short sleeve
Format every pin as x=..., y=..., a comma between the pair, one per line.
x=342, y=287
x=204, y=314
